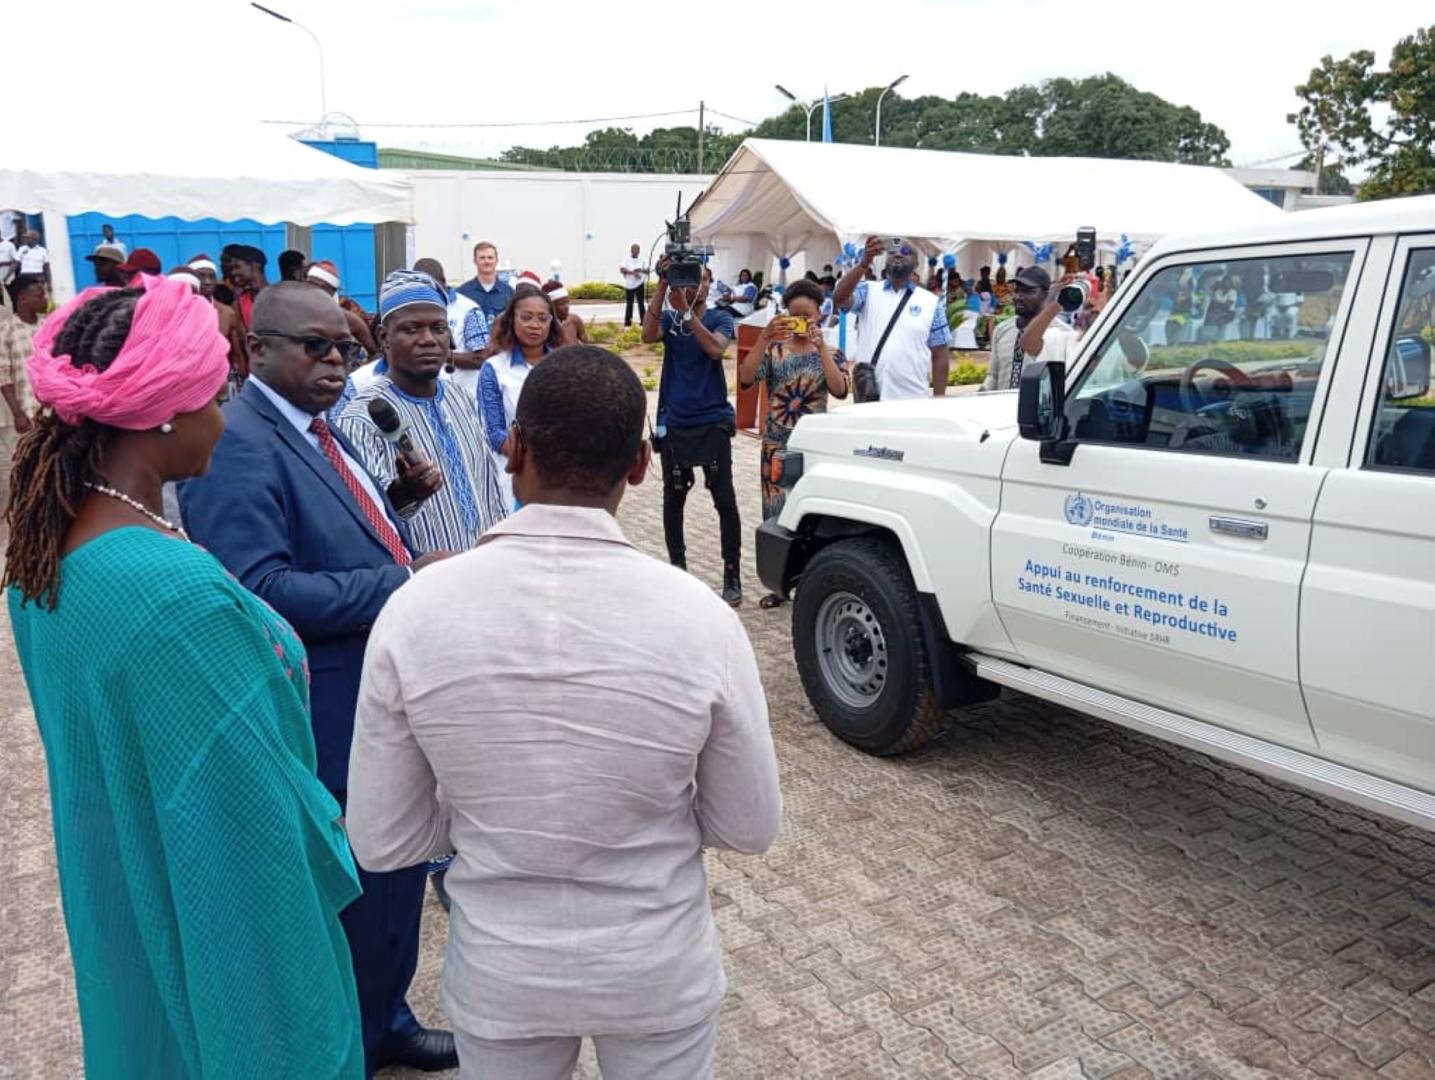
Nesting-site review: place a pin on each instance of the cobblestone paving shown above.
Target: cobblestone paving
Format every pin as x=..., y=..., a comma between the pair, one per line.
x=1037, y=894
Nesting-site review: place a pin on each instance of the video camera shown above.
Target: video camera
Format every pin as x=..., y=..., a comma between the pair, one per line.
x=685, y=259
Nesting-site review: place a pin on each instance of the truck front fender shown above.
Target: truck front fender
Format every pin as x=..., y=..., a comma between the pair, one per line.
x=941, y=521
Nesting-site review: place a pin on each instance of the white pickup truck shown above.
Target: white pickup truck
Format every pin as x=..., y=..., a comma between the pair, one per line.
x=1216, y=529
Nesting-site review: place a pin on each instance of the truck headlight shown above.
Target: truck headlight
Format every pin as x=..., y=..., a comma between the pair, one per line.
x=785, y=468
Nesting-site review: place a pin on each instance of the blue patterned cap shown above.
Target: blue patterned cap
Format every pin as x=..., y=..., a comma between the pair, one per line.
x=403, y=288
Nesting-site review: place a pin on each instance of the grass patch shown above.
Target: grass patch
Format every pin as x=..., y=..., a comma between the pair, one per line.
x=602, y=290
x=615, y=336
x=1233, y=352
x=966, y=373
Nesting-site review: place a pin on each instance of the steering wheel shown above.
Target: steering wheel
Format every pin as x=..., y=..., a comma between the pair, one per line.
x=1238, y=380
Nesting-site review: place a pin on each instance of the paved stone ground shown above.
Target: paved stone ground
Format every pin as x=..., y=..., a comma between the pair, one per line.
x=1036, y=894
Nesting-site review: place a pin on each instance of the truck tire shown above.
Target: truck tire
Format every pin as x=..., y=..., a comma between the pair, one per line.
x=857, y=637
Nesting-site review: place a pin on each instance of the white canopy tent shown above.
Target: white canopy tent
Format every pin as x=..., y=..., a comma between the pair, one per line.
x=777, y=198
x=157, y=166
x=110, y=163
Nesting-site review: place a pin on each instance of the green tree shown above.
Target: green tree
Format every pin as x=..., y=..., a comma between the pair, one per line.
x=662, y=150
x=1099, y=116
x=1384, y=120
x=1105, y=116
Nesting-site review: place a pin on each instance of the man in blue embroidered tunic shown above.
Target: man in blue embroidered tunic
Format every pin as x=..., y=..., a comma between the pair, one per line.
x=444, y=426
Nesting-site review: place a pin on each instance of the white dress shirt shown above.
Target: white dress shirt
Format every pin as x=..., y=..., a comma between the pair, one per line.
x=301, y=421
x=576, y=720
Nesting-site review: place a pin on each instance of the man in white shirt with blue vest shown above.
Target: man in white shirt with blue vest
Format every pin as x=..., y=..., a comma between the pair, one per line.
x=916, y=355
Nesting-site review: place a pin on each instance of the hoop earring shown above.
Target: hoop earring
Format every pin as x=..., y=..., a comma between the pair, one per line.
x=166, y=428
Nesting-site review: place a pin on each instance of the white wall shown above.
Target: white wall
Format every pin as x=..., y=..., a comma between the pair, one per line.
x=585, y=219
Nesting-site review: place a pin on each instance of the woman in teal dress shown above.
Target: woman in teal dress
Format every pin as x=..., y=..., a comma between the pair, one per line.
x=799, y=370
x=202, y=865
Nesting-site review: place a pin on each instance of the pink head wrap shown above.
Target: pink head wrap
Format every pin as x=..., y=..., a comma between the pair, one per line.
x=174, y=361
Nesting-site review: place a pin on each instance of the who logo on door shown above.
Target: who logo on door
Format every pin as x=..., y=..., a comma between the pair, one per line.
x=1079, y=510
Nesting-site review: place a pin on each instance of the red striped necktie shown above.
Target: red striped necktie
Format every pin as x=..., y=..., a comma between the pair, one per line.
x=377, y=518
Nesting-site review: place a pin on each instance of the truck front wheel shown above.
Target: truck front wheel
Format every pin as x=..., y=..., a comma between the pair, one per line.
x=857, y=636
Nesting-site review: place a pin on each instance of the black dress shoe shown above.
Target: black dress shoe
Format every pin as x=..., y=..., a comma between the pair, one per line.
x=427, y=1050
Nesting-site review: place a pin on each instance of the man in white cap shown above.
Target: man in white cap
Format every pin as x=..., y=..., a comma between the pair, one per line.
x=575, y=330
x=205, y=269
x=186, y=276
x=326, y=275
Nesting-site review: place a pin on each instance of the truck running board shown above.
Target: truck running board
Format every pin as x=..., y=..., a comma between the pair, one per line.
x=1305, y=770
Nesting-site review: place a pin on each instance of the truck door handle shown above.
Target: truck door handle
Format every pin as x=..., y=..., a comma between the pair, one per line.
x=1248, y=530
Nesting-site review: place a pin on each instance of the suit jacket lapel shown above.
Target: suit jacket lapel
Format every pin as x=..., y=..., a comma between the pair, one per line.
x=318, y=462
x=399, y=524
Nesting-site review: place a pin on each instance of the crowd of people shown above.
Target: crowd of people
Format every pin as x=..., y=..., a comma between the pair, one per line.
x=315, y=606
x=247, y=809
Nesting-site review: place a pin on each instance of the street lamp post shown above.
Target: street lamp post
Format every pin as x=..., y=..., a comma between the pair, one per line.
x=323, y=86
x=808, y=109
x=877, y=131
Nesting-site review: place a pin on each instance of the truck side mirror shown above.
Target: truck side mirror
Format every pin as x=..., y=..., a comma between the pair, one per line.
x=1407, y=375
x=1041, y=400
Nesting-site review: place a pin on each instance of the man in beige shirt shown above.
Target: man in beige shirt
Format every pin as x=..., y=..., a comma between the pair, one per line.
x=576, y=720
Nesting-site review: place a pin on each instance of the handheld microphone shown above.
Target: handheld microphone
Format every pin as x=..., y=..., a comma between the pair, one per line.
x=391, y=427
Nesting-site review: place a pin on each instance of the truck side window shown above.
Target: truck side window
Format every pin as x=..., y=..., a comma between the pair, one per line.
x=1404, y=433
x=1215, y=358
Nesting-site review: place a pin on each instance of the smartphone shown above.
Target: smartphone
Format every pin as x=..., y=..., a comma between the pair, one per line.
x=1086, y=248
x=895, y=245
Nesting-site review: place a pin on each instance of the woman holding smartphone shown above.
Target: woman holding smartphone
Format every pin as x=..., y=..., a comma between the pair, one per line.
x=799, y=370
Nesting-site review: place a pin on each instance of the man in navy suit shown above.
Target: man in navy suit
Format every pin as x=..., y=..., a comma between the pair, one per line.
x=289, y=510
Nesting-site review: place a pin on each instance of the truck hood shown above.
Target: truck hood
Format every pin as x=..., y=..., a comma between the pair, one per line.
x=961, y=433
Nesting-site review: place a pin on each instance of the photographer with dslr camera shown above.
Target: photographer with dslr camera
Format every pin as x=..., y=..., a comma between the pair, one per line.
x=1036, y=332
x=696, y=423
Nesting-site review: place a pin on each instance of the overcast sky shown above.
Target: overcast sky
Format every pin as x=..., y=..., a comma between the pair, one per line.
x=471, y=61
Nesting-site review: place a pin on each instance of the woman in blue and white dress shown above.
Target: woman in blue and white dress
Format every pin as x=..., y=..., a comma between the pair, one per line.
x=526, y=332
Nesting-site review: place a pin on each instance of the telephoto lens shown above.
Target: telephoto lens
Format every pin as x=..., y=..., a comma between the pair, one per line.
x=1073, y=295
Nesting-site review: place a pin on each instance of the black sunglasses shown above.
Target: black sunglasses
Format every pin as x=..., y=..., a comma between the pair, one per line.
x=318, y=347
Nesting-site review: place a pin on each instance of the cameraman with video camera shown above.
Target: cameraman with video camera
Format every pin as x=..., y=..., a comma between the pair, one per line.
x=696, y=423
